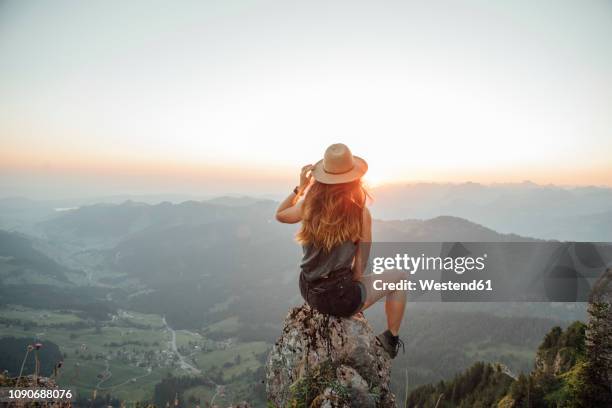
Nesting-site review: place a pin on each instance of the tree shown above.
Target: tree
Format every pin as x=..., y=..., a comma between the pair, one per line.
x=598, y=367
x=598, y=345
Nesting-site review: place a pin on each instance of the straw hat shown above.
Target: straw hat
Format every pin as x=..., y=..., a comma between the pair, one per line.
x=339, y=166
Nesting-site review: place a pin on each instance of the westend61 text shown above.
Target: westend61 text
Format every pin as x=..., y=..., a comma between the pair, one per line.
x=432, y=285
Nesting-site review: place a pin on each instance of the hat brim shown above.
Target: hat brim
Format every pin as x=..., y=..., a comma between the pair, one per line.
x=360, y=167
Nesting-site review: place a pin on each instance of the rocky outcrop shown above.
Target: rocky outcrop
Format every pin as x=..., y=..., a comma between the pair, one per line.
x=555, y=361
x=324, y=361
x=560, y=351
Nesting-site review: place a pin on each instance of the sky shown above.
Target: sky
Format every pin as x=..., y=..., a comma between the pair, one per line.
x=105, y=97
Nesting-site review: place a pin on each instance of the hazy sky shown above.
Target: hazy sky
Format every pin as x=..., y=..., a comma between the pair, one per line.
x=196, y=96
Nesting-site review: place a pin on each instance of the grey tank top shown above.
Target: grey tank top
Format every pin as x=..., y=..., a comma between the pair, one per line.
x=318, y=263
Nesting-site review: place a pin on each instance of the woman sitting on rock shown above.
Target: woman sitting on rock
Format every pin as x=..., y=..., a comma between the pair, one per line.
x=335, y=235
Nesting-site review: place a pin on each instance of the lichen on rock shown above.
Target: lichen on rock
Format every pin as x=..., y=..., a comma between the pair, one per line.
x=325, y=361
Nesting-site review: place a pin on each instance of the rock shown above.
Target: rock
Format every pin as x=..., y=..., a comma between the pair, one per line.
x=506, y=402
x=324, y=361
x=242, y=404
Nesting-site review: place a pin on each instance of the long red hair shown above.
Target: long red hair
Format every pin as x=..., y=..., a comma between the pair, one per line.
x=332, y=214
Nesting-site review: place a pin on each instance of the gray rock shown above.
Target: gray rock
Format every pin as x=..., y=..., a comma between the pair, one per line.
x=327, y=362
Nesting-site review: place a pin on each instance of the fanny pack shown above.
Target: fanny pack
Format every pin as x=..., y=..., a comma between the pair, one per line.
x=324, y=285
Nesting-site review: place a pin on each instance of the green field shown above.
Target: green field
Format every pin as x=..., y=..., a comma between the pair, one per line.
x=137, y=357
x=227, y=326
x=86, y=350
x=248, y=358
x=39, y=316
x=135, y=318
x=184, y=338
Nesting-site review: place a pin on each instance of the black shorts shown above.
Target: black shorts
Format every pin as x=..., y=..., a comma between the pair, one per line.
x=337, y=296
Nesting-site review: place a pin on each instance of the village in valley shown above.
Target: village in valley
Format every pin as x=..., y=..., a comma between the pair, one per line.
x=132, y=352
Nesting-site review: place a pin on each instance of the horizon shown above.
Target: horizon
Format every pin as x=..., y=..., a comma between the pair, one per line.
x=183, y=196
x=211, y=98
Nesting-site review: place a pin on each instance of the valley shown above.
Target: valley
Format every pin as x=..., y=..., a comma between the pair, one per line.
x=127, y=356
x=148, y=302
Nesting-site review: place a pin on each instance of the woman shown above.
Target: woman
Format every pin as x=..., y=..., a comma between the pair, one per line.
x=335, y=234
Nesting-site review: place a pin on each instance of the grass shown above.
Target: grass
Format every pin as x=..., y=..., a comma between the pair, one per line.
x=183, y=337
x=233, y=393
x=246, y=351
x=230, y=325
x=308, y=390
x=135, y=318
x=38, y=316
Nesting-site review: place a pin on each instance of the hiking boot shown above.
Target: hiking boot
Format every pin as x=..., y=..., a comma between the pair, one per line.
x=390, y=343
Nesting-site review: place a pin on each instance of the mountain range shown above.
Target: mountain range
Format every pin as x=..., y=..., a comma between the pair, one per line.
x=528, y=209
x=206, y=263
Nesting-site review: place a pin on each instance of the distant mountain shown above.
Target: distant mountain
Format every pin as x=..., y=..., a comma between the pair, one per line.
x=235, y=201
x=111, y=223
x=107, y=224
x=236, y=250
x=527, y=209
x=439, y=229
x=595, y=227
x=20, y=213
x=21, y=263
x=547, y=212
x=31, y=278
x=228, y=260
x=205, y=252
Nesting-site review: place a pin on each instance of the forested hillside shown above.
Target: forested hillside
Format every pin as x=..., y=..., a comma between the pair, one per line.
x=572, y=368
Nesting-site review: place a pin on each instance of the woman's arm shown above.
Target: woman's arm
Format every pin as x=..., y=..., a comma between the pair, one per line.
x=363, y=249
x=290, y=210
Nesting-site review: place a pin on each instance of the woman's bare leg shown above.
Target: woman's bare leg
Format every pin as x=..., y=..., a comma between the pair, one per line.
x=395, y=301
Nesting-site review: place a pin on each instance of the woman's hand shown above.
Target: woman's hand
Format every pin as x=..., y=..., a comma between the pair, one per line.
x=290, y=210
x=305, y=177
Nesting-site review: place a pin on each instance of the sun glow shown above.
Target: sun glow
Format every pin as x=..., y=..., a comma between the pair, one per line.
x=375, y=177
x=223, y=95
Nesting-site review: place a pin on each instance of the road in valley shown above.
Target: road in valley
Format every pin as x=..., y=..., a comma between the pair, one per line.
x=185, y=365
